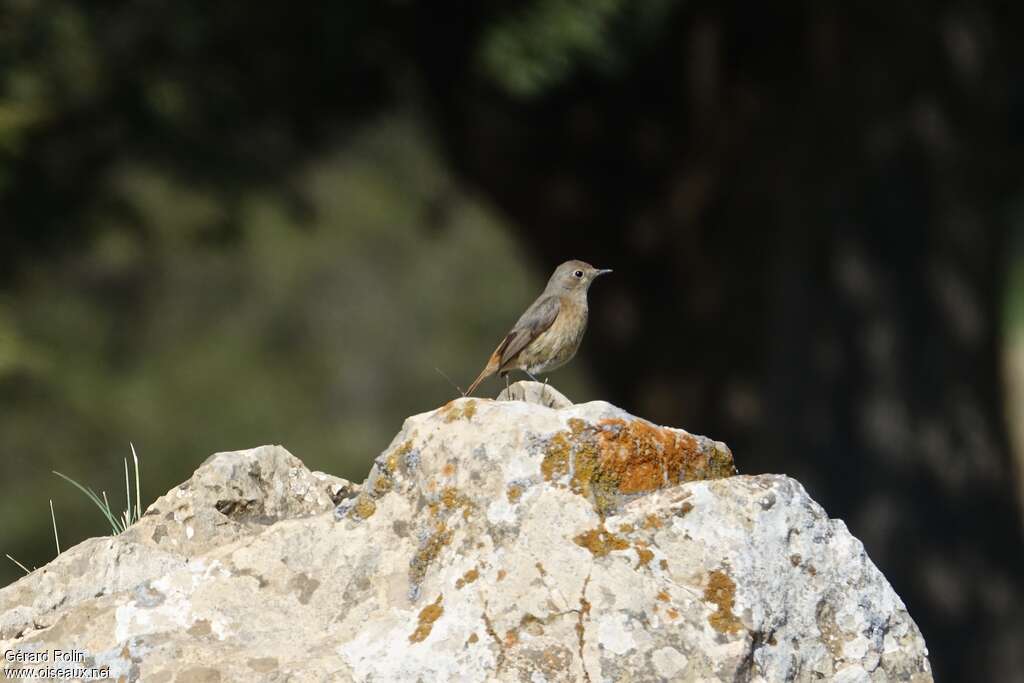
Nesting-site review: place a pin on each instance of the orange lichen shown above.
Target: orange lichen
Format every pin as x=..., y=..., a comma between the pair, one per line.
x=448, y=470
x=428, y=615
x=623, y=457
x=514, y=493
x=644, y=556
x=652, y=522
x=473, y=637
x=663, y=596
x=600, y=541
x=626, y=528
x=672, y=614
x=647, y=457
x=721, y=592
x=469, y=577
x=502, y=574
x=511, y=637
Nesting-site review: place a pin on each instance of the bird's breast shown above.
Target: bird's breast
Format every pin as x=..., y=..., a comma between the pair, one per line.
x=558, y=344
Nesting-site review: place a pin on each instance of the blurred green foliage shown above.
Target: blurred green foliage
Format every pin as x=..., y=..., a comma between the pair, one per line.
x=536, y=48
x=319, y=333
x=225, y=225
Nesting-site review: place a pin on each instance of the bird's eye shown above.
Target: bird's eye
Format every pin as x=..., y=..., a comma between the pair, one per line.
x=578, y=273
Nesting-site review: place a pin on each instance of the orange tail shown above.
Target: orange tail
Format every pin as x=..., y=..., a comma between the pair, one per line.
x=489, y=369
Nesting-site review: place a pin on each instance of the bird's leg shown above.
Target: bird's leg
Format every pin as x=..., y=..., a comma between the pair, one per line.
x=531, y=375
x=507, y=392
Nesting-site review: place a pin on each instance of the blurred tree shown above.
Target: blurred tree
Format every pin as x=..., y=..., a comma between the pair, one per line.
x=807, y=209
x=806, y=205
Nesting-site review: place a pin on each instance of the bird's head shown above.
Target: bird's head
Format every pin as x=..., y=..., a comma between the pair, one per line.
x=574, y=276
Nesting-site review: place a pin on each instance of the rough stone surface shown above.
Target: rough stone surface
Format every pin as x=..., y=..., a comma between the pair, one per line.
x=491, y=541
x=535, y=392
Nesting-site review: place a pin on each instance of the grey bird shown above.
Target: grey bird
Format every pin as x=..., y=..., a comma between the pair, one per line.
x=548, y=334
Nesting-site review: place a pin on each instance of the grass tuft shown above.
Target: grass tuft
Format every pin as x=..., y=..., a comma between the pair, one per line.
x=118, y=522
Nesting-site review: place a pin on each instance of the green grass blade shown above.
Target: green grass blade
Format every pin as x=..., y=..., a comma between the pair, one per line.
x=91, y=495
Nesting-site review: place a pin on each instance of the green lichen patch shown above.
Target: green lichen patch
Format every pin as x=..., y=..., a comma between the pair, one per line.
x=600, y=541
x=428, y=615
x=721, y=592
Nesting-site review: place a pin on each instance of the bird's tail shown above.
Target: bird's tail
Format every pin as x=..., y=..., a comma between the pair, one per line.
x=492, y=366
x=487, y=372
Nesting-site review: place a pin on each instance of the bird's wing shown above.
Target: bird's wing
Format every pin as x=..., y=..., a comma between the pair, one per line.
x=538, y=318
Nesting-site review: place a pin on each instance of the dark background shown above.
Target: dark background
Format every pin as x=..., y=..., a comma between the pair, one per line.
x=227, y=224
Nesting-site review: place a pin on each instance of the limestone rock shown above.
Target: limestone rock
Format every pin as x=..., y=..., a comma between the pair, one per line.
x=535, y=392
x=492, y=540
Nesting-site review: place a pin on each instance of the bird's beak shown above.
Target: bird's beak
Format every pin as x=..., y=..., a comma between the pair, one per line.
x=603, y=272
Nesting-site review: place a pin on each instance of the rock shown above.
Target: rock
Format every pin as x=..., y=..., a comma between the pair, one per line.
x=535, y=392
x=492, y=540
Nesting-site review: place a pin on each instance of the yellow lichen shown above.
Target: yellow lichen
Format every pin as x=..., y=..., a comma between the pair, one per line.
x=721, y=592
x=576, y=425
x=392, y=461
x=428, y=552
x=644, y=556
x=364, y=507
x=382, y=485
x=428, y=615
x=600, y=541
x=556, y=457
x=459, y=409
x=473, y=637
x=450, y=497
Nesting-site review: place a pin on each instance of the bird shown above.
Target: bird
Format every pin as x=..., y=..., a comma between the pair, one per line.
x=549, y=333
